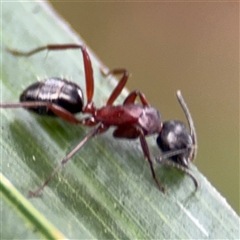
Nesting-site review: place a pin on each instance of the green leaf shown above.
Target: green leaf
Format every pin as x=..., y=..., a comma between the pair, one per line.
x=27, y=211
x=106, y=191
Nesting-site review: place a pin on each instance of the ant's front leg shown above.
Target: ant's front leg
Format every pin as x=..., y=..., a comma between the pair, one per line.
x=163, y=160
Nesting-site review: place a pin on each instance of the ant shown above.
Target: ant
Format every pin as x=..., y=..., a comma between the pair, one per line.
x=62, y=98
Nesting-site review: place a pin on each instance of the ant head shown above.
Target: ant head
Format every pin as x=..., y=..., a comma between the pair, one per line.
x=176, y=141
x=175, y=136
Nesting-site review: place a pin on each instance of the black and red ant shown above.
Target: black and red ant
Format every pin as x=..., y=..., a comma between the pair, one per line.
x=61, y=98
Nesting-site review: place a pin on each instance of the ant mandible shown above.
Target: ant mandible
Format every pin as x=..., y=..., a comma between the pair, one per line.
x=61, y=98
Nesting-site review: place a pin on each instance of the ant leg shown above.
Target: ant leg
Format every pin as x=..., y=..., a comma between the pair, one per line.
x=117, y=90
x=147, y=155
x=62, y=113
x=132, y=97
x=181, y=168
x=57, y=110
x=99, y=129
x=164, y=161
x=86, y=59
x=23, y=105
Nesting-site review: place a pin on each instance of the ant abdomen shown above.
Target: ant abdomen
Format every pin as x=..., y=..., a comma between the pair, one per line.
x=61, y=92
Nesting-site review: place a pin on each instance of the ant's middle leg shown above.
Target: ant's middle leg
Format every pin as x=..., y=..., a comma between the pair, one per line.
x=118, y=89
x=132, y=97
x=116, y=92
x=96, y=131
x=91, y=134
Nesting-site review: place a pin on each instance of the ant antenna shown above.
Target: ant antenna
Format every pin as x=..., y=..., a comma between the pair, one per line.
x=190, y=123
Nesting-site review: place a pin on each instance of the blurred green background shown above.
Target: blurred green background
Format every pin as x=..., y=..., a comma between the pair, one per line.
x=176, y=45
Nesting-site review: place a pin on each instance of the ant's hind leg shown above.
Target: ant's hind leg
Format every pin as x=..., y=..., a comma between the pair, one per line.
x=57, y=47
x=57, y=110
x=48, y=47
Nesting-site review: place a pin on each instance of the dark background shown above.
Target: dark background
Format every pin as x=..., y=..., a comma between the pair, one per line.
x=177, y=45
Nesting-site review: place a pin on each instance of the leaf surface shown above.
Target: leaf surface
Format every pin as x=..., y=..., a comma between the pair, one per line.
x=106, y=191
